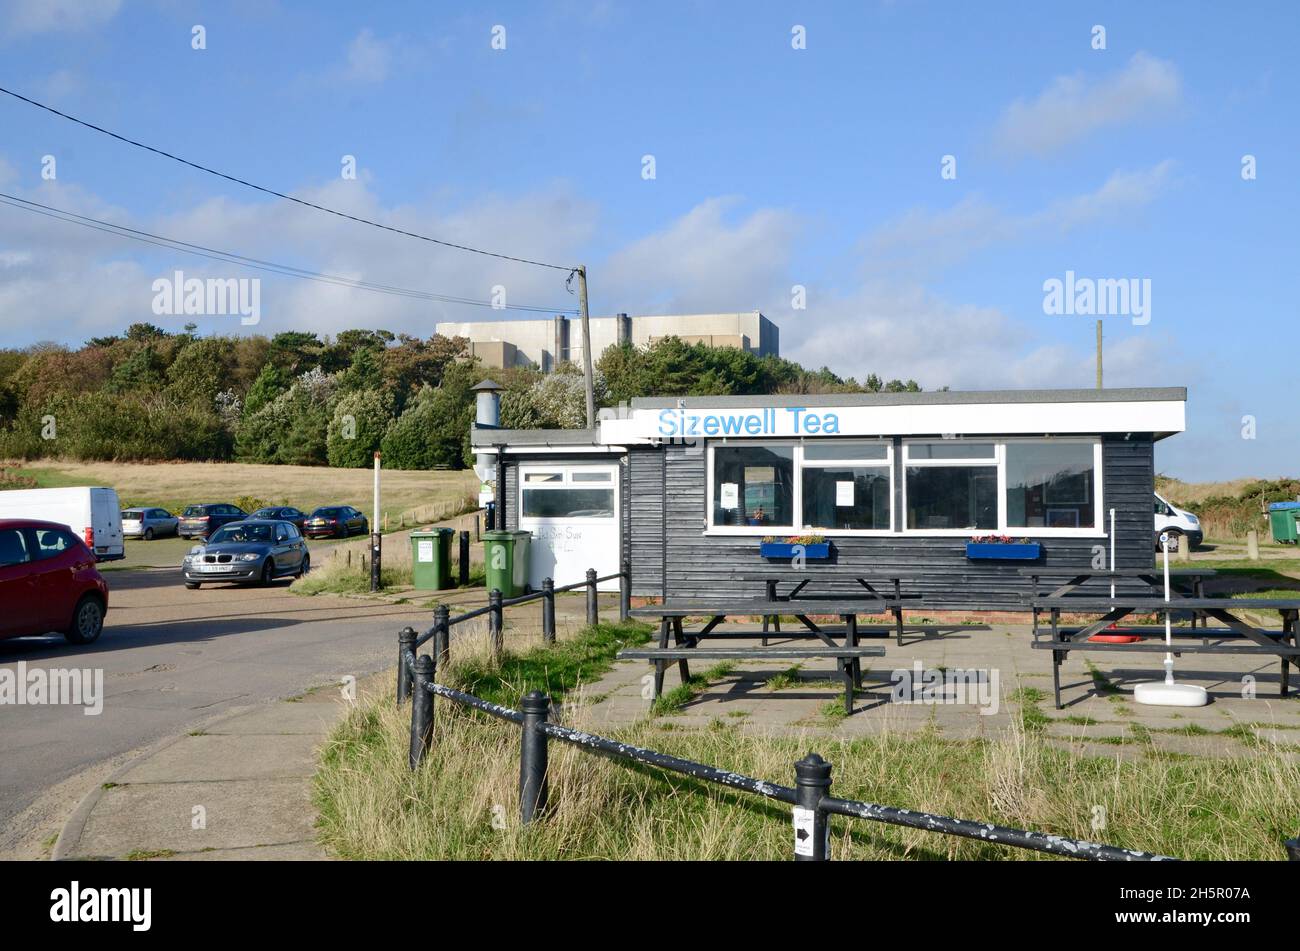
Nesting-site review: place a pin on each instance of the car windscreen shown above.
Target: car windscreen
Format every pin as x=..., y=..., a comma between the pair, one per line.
x=326, y=513
x=242, y=533
x=132, y=515
x=193, y=511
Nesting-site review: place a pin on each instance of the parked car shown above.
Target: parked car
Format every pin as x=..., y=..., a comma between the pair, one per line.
x=94, y=514
x=148, y=523
x=282, y=513
x=336, y=521
x=202, y=520
x=1179, y=523
x=252, y=550
x=48, y=582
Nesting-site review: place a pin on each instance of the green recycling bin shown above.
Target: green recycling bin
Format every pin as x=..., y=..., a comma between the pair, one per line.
x=505, y=554
x=1284, y=520
x=431, y=559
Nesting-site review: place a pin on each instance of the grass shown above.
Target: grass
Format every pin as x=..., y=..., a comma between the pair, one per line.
x=173, y=485
x=673, y=700
x=373, y=807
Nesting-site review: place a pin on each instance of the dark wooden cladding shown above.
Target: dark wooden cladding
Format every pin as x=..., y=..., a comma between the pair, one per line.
x=665, y=522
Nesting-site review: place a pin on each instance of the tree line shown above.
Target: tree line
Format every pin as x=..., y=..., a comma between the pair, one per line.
x=299, y=398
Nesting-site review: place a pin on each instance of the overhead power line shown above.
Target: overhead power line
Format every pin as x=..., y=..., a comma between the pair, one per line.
x=279, y=194
x=231, y=257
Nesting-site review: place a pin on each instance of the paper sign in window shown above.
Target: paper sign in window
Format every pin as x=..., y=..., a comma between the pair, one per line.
x=730, y=496
x=844, y=494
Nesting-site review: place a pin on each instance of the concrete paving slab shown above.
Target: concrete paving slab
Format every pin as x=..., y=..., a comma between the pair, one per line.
x=314, y=719
x=135, y=820
x=228, y=758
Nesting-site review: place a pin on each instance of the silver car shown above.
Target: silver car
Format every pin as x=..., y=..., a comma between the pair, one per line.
x=148, y=523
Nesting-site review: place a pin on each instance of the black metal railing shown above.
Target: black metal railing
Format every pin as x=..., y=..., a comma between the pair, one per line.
x=809, y=796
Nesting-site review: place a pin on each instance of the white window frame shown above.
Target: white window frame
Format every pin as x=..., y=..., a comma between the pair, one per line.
x=565, y=471
x=999, y=462
x=799, y=463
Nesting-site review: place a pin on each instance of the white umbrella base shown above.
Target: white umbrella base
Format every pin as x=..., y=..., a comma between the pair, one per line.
x=1161, y=694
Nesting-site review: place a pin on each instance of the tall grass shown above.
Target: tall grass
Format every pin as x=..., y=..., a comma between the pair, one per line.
x=463, y=801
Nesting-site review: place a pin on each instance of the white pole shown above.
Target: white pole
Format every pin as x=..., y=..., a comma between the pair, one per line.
x=375, y=523
x=1169, y=632
x=1112, y=553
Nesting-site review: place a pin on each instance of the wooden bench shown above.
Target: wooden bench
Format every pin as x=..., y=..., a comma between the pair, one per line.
x=1213, y=640
x=686, y=643
x=847, y=658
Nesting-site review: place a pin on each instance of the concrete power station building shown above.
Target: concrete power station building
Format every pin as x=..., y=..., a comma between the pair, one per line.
x=547, y=343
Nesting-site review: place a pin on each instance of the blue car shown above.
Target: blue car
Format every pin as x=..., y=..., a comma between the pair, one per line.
x=258, y=550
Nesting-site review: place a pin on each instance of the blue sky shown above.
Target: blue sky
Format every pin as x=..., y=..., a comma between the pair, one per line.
x=774, y=167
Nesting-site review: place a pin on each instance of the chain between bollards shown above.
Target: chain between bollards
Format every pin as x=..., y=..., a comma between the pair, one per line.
x=533, y=791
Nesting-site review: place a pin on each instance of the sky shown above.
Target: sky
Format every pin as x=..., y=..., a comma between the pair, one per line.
x=895, y=183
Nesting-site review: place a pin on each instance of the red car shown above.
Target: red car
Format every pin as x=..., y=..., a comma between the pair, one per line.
x=48, y=582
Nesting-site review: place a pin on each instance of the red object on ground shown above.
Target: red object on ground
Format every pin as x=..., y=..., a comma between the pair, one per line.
x=1115, y=638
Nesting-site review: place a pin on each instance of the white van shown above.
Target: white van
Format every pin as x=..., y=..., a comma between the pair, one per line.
x=93, y=514
x=1179, y=523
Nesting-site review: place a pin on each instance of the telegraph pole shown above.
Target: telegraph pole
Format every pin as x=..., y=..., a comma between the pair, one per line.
x=581, y=270
x=1099, y=354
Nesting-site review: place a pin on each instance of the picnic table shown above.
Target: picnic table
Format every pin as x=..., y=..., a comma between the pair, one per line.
x=1185, y=582
x=1236, y=636
x=801, y=579
x=686, y=643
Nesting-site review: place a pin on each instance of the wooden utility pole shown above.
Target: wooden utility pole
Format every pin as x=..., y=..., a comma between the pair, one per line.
x=586, y=345
x=1099, y=354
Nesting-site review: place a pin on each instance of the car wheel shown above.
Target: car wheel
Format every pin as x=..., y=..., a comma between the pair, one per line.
x=192, y=585
x=305, y=566
x=87, y=621
x=148, y=534
x=268, y=572
x=1175, y=539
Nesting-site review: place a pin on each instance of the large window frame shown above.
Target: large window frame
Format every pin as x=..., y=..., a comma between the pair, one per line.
x=800, y=463
x=1000, y=443
x=561, y=477
x=896, y=463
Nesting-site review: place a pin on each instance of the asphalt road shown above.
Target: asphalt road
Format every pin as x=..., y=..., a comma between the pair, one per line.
x=172, y=658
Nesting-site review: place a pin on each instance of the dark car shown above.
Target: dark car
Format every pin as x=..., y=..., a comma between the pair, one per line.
x=282, y=513
x=251, y=550
x=48, y=582
x=335, y=521
x=202, y=520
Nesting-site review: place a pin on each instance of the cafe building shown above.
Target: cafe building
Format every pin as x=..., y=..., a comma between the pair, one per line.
x=954, y=492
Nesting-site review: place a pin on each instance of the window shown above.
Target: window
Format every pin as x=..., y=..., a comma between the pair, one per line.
x=1050, y=485
x=951, y=485
x=846, y=486
x=13, y=548
x=567, y=493
x=51, y=542
x=753, y=486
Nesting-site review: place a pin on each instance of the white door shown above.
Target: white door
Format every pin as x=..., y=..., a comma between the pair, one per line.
x=572, y=512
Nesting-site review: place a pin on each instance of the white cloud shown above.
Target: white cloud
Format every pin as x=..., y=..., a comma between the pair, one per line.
x=1074, y=107
x=369, y=58
x=922, y=241
x=28, y=17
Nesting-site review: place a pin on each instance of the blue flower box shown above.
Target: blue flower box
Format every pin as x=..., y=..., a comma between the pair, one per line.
x=815, y=550
x=978, y=550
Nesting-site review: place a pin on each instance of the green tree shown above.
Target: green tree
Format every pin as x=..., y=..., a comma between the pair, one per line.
x=357, y=428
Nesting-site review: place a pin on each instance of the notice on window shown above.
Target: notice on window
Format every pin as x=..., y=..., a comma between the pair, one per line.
x=424, y=549
x=730, y=496
x=844, y=494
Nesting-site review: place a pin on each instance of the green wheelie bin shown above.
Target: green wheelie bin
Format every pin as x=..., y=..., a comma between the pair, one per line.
x=1284, y=520
x=431, y=559
x=505, y=554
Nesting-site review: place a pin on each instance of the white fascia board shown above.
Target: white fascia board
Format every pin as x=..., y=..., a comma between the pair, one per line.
x=1162, y=417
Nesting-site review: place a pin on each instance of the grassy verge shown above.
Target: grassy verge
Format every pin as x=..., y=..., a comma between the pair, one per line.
x=463, y=802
